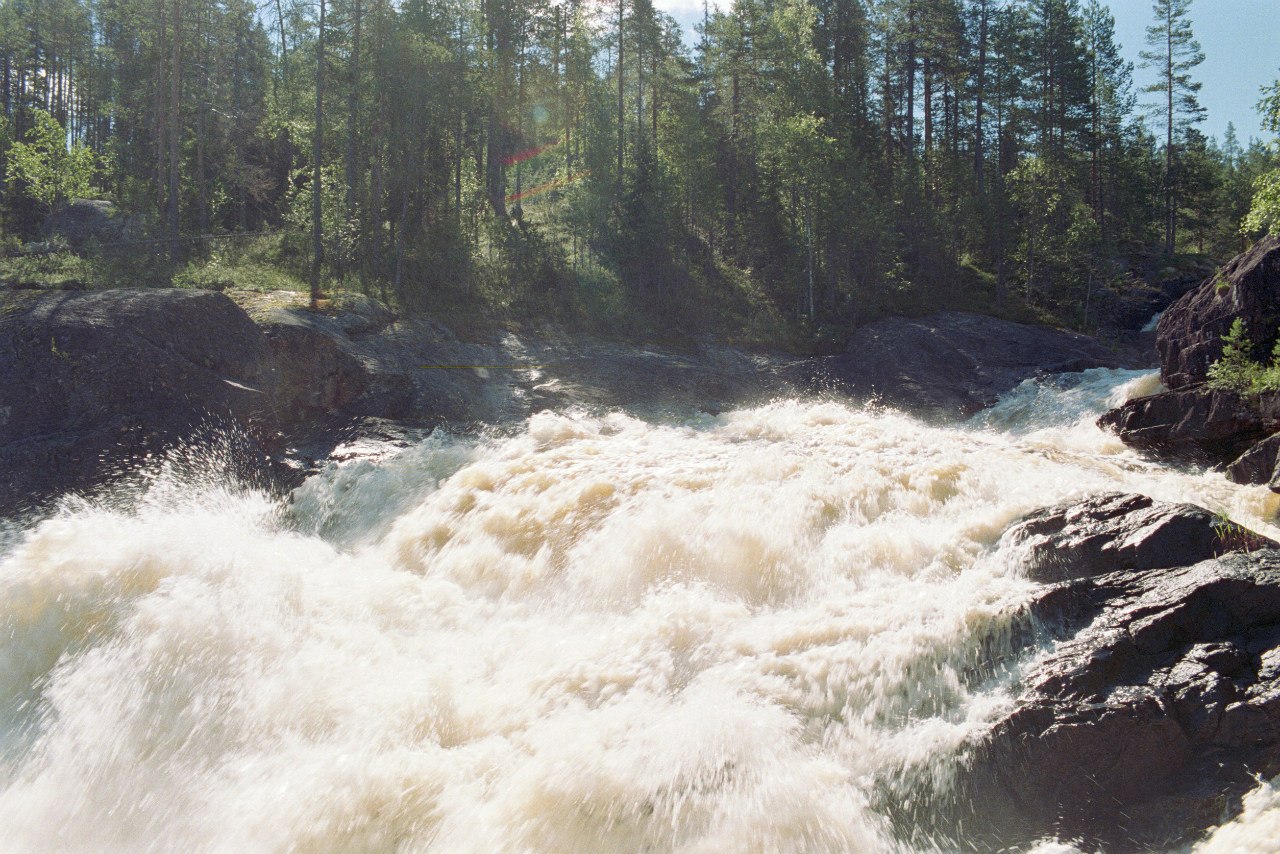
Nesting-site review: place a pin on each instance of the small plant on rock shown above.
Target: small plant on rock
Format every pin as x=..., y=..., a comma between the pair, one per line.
x=1235, y=370
x=1238, y=371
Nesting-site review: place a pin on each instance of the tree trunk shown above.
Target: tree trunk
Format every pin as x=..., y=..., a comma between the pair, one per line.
x=175, y=125
x=353, y=110
x=317, y=146
x=1170, y=208
x=928, y=106
x=622, y=123
x=911, y=79
x=201, y=176
x=284, y=44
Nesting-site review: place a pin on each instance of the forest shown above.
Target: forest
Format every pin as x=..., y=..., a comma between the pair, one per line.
x=792, y=167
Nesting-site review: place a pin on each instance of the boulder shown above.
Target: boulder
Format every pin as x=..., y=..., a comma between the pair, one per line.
x=358, y=314
x=1192, y=422
x=88, y=380
x=1157, y=708
x=1198, y=425
x=1257, y=466
x=317, y=373
x=1111, y=532
x=1189, y=335
x=81, y=221
x=953, y=364
x=92, y=382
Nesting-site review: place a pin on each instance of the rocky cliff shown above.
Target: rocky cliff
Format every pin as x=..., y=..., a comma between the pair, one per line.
x=1192, y=421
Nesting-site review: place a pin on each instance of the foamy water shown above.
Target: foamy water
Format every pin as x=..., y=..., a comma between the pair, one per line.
x=740, y=633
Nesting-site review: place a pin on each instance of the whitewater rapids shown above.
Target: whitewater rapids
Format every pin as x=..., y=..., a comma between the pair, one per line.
x=591, y=634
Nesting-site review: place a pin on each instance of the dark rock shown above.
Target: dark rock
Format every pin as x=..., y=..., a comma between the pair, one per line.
x=1189, y=335
x=1130, y=304
x=505, y=378
x=317, y=374
x=94, y=382
x=91, y=378
x=1257, y=466
x=80, y=221
x=953, y=364
x=1159, y=706
x=1200, y=425
x=1106, y=533
x=1192, y=422
x=359, y=314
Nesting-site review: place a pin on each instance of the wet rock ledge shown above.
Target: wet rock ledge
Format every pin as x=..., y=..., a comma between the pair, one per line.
x=1192, y=422
x=1156, y=704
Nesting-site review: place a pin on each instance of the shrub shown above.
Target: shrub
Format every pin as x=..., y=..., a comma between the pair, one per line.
x=1238, y=371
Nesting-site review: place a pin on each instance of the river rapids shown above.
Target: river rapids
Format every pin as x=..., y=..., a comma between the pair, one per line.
x=590, y=633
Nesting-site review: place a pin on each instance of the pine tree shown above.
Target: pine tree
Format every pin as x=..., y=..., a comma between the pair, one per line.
x=1174, y=53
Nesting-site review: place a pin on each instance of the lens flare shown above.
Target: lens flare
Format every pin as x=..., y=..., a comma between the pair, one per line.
x=554, y=184
x=530, y=153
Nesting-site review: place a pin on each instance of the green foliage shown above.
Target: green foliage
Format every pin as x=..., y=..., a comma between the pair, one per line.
x=45, y=168
x=1236, y=370
x=253, y=265
x=57, y=270
x=1264, y=213
x=808, y=164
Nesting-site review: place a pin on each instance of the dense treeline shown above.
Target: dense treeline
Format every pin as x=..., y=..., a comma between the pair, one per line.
x=817, y=159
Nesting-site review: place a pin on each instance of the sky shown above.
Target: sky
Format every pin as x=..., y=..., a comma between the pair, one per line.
x=1240, y=38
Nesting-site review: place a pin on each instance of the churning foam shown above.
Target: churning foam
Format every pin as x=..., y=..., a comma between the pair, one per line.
x=732, y=634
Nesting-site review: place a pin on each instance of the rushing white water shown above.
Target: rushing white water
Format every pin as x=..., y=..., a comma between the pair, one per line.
x=596, y=634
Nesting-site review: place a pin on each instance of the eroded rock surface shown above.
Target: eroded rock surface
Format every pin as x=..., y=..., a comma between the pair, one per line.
x=87, y=379
x=1192, y=422
x=1114, y=531
x=90, y=383
x=1159, y=705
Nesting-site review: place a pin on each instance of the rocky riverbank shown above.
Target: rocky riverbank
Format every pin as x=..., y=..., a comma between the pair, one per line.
x=95, y=381
x=1193, y=421
x=1154, y=704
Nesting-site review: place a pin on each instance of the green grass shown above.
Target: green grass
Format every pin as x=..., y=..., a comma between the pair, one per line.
x=52, y=271
x=252, y=265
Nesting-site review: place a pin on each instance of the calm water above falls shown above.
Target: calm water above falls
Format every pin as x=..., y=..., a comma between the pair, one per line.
x=594, y=634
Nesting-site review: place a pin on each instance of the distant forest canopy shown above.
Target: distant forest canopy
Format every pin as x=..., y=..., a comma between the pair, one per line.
x=811, y=160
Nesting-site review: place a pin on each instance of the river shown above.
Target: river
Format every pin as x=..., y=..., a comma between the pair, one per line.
x=587, y=633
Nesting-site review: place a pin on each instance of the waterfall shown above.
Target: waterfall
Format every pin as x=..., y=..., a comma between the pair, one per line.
x=594, y=633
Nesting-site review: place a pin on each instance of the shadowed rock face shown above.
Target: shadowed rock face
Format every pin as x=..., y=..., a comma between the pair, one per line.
x=1189, y=335
x=1192, y=422
x=952, y=364
x=1160, y=703
x=94, y=379
x=81, y=220
x=1198, y=425
x=92, y=382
